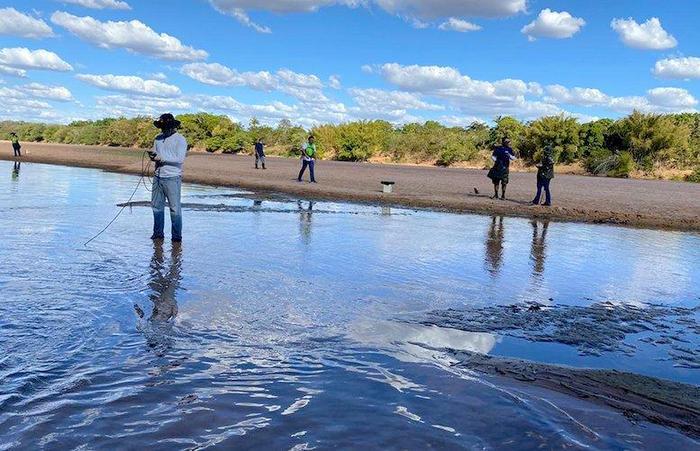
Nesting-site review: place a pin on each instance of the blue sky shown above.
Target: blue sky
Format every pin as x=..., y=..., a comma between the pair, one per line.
x=317, y=61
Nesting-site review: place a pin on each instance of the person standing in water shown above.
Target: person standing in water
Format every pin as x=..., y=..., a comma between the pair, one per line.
x=16, y=147
x=169, y=152
x=308, y=158
x=499, y=173
x=259, y=153
x=545, y=174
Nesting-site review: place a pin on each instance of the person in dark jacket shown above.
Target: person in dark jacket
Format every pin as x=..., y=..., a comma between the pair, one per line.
x=545, y=174
x=259, y=153
x=499, y=173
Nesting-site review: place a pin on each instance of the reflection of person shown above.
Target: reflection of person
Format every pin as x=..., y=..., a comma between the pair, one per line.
x=494, y=245
x=15, y=170
x=539, y=247
x=169, y=152
x=16, y=147
x=260, y=153
x=545, y=174
x=499, y=173
x=164, y=282
x=305, y=215
x=308, y=158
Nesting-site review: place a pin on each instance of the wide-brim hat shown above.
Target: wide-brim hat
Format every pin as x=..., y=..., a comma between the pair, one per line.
x=166, y=121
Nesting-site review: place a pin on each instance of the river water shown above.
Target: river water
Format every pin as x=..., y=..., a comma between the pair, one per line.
x=292, y=324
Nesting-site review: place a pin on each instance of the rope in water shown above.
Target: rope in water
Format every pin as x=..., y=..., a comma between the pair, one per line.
x=142, y=179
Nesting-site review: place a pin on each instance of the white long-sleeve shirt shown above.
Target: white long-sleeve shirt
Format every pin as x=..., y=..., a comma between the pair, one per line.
x=173, y=150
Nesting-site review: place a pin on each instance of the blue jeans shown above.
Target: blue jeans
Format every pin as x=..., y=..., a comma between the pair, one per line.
x=166, y=188
x=310, y=164
x=543, y=184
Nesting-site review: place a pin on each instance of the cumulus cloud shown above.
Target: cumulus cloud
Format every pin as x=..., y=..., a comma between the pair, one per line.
x=416, y=11
x=657, y=100
x=647, y=36
x=553, y=24
x=100, y=4
x=15, y=23
x=459, y=25
x=40, y=91
x=131, y=84
x=334, y=82
x=134, y=36
x=20, y=59
x=472, y=97
x=671, y=98
x=129, y=106
x=391, y=105
x=679, y=68
x=305, y=87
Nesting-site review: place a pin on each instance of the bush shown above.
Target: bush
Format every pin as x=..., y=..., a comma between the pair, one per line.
x=694, y=177
x=605, y=162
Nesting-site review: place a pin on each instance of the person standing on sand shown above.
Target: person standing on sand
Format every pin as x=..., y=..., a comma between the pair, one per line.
x=169, y=152
x=259, y=153
x=499, y=173
x=16, y=147
x=308, y=158
x=545, y=174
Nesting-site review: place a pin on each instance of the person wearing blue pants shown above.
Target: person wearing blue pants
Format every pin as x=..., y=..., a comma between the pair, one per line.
x=308, y=159
x=545, y=174
x=169, y=153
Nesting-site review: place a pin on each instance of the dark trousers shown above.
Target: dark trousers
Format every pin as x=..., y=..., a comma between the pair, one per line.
x=17, y=148
x=543, y=184
x=310, y=164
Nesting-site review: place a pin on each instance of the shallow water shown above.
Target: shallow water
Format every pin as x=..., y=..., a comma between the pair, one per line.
x=295, y=324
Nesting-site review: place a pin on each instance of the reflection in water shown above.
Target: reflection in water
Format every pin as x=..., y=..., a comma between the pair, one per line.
x=494, y=246
x=538, y=248
x=15, y=170
x=257, y=203
x=305, y=220
x=164, y=282
x=420, y=343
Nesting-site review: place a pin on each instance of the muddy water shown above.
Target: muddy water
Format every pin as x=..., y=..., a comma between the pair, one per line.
x=293, y=324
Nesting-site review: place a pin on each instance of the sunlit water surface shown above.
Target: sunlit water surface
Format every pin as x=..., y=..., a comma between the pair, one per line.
x=287, y=324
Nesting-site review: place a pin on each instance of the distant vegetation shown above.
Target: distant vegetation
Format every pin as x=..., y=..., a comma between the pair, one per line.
x=642, y=143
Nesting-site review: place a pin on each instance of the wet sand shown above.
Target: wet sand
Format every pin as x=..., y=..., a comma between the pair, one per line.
x=641, y=203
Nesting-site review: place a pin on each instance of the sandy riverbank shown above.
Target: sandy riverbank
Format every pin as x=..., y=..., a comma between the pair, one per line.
x=643, y=203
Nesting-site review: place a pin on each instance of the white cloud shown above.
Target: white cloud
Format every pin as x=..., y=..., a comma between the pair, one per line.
x=130, y=106
x=671, y=98
x=24, y=59
x=131, y=84
x=134, y=36
x=15, y=23
x=302, y=86
x=433, y=9
x=469, y=96
x=459, y=25
x=679, y=68
x=4, y=70
x=416, y=11
x=40, y=91
x=553, y=24
x=657, y=100
x=647, y=36
x=334, y=82
x=99, y=4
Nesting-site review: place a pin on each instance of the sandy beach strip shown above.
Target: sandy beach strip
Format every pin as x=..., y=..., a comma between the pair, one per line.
x=639, y=203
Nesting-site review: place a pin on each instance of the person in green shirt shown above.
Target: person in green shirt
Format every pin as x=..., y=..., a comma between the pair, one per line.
x=15, y=144
x=308, y=158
